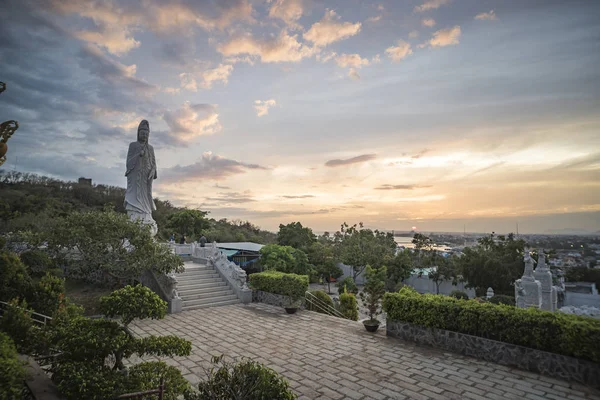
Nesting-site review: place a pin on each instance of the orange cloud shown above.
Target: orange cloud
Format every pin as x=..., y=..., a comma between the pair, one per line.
x=428, y=22
x=193, y=120
x=399, y=52
x=431, y=5
x=487, y=15
x=445, y=37
x=329, y=30
x=284, y=48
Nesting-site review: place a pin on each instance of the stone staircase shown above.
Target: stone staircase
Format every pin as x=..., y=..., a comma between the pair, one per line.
x=201, y=286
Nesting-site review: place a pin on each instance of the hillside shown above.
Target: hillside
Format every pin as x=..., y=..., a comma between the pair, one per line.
x=30, y=202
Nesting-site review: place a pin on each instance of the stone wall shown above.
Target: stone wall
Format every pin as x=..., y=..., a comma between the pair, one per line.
x=581, y=299
x=258, y=296
x=549, y=364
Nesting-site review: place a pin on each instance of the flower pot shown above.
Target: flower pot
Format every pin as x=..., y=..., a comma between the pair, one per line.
x=291, y=310
x=371, y=326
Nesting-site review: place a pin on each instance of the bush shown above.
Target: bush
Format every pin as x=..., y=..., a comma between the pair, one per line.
x=459, y=294
x=82, y=380
x=146, y=376
x=14, y=279
x=322, y=297
x=349, y=306
x=292, y=285
x=349, y=284
x=37, y=262
x=248, y=380
x=48, y=295
x=502, y=299
x=12, y=372
x=133, y=302
x=559, y=333
x=16, y=322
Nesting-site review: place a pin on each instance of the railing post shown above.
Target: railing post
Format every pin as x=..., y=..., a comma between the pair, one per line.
x=161, y=388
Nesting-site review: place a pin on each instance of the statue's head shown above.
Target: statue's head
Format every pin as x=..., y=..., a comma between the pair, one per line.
x=143, y=131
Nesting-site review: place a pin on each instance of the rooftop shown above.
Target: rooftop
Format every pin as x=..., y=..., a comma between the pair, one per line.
x=248, y=246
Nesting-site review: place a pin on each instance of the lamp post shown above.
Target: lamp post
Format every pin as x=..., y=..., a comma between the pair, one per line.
x=7, y=129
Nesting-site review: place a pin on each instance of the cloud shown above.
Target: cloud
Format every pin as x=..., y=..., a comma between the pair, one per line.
x=289, y=11
x=116, y=41
x=231, y=197
x=354, y=160
x=399, y=52
x=221, y=187
x=207, y=77
x=353, y=74
x=283, y=48
x=428, y=22
x=262, y=106
x=302, y=196
x=413, y=34
x=192, y=120
x=419, y=154
x=431, y=5
x=487, y=15
x=329, y=30
x=210, y=167
x=374, y=19
x=401, y=187
x=351, y=60
x=445, y=37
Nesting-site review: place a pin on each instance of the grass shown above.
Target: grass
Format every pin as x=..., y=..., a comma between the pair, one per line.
x=86, y=295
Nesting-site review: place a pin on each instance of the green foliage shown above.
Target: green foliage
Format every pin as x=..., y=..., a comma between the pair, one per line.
x=322, y=297
x=583, y=274
x=38, y=262
x=502, y=299
x=14, y=279
x=191, y=223
x=398, y=269
x=284, y=259
x=16, y=322
x=146, y=376
x=163, y=346
x=459, y=294
x=360, y=247
x=373, y=291
x=247, y=379
x=82, y=380
x=48, y=295
x=133, y=302
x=12, y=371
x=348, y=306
x=296, y=236
x=292, y=285
x=347, y=284
x=559, y=333
x=106, y=242
x=224, y=231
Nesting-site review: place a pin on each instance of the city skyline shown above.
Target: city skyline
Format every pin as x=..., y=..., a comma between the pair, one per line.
x=428, y=113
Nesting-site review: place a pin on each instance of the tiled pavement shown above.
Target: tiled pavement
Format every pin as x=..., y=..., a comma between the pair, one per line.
x=325, y=357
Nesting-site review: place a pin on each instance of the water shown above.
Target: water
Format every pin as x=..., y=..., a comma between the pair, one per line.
x=406, y=241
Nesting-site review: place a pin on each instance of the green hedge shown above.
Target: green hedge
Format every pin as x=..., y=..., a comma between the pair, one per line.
x=502, y=299
x=320, y=295
x=348, y=306
x=12, y=371
x=554, y=332
x=280, y=283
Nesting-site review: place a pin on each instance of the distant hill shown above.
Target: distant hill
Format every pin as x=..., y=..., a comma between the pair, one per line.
x=30, y=202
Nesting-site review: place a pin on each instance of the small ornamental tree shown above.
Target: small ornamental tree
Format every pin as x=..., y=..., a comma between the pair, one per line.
x=347, y=284
x=133, y=302
x=373, y=292
x=348, y=306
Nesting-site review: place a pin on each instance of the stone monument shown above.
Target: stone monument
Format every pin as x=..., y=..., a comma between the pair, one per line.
x=528, y=291
x=140, y=172
x=542, y=273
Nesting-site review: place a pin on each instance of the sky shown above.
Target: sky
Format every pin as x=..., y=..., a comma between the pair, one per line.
x=440, y=114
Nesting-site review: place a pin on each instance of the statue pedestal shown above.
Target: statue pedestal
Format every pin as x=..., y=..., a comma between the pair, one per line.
x=146, y=219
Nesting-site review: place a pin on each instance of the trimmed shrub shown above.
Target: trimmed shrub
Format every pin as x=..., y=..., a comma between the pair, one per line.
x=459, y=294
x=37, y=262
x=146, y=376
x=502, y=299
x=83, y=380
x=349, y=306
x=349, y=284
x=559, y=333
x=323, y=297
x=248, y=380
x=292, y=285
x=133, y=302
x=12, y=372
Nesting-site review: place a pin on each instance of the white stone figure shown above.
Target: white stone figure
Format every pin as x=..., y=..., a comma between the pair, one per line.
x=490, y=293
x=528, y=291
x=140, y=172
x=542, y=273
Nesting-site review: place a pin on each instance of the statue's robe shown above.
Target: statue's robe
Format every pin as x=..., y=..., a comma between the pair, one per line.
x=141, y=171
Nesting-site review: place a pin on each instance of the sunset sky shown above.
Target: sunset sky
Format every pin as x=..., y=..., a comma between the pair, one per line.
x=428, y=113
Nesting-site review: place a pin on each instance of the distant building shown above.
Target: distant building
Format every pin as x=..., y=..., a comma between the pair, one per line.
x=243, y=254
x=85, y=181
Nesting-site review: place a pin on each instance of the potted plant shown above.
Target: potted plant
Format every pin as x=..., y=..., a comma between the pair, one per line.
x=371, y=296
x=292, y=303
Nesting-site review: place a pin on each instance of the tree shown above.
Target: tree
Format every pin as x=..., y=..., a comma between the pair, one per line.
x=398, y=269
x=373, y=291
x=321, y=256
x=295, y=235
x=107, y=242
x=360, y=247
x=284, y=259
x=423, y=247
x=443, y=270
x=191, y=223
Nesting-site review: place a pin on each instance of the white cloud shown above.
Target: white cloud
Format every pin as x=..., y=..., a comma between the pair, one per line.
x=192, y=120
x=431, y=5
x=413, y=34
x=351, y=60
x=374, y=19
x=487, y=15
x=428, y=22
x=397, y=53
x=116, y=41
x=262, y=106
x=445, y=37
x=284, y=48
x=290, y=11
x=188, y=81
x=329, y=30
x=353, y=74
x=218, y=74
